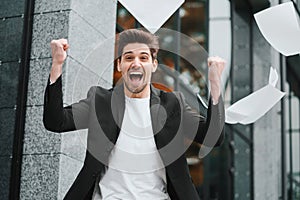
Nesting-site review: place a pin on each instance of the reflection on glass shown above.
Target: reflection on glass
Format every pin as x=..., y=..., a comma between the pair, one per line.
x=124, y=18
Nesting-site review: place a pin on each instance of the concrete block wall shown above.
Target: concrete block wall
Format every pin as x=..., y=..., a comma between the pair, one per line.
x=51, y=161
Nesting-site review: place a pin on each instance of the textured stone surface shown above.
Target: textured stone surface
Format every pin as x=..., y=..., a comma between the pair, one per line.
x=7, y=127
x=68, y=171
x=100, y=59
x=101, y=14
x=49, y=6
x=36, y=138
x=105, y=84
x=45, y=28
x=83, y=37
x=10, y=8
x=38, y=77
x=39, y=178
x=52, y=161
x=78, y=80
x=11, y=39
x=9, y=77
x=73, y=144
x=5, y=164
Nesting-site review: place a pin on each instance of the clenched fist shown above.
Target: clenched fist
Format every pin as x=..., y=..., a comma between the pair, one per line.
x=59, y=55
x=216, y=66
x=59, y=48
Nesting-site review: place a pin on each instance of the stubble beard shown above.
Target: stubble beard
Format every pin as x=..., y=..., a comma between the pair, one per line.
x=137, y=90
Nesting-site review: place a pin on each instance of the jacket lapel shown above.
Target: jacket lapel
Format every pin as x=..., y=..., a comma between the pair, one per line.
x=161, y=112
x=110, y=107
x=118, y=104
x=118, y=108
x=155, y=109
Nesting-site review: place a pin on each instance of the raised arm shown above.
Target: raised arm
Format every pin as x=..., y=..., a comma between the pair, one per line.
x=59, y=55
x=210, y=130
x=56, y=117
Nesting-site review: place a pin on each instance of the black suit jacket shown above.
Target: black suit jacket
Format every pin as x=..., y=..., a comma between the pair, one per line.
x=102, y=113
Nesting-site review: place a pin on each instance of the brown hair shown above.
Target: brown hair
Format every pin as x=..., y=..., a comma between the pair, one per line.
x=138, y=36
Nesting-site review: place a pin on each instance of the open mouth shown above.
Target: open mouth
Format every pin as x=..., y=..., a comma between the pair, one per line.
x=136, y=76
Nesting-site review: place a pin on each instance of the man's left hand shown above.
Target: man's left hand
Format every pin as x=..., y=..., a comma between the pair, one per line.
x=216, y=66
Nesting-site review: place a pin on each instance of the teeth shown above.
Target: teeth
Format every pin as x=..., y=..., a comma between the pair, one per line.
x=136, y=73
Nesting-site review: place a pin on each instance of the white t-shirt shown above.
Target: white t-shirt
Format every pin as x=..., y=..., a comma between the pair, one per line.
x=135, y=169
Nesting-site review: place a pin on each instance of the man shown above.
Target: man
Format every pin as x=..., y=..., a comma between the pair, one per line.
x=135, y=144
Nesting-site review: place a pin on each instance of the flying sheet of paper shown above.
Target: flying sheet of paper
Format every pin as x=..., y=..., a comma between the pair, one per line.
x=273, y=77
x=254, y=106
x=280, y=27
x=152, y=14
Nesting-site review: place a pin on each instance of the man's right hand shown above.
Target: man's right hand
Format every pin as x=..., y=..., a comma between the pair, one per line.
x=59, y=55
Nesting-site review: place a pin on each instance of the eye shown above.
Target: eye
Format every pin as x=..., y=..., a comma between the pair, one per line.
x=128, y=57
x=144, y=58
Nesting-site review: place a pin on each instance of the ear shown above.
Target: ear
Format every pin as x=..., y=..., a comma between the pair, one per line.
x=155, y=64
x=118, y=65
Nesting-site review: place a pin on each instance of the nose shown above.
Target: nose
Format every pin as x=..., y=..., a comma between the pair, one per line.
x=136, y=62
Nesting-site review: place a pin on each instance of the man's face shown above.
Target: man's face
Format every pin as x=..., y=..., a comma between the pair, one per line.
x=136, y=66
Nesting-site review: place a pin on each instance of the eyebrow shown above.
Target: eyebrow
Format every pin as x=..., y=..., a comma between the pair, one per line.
x=129, y=52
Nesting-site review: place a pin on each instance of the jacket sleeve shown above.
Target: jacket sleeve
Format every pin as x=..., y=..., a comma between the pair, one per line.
x=207, y=131
x=58, y=118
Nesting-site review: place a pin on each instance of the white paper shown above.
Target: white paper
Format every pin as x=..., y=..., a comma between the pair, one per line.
x=233, y=117
x=254, y=106
x=280, y=27
x=152, y=14
x=273, y=77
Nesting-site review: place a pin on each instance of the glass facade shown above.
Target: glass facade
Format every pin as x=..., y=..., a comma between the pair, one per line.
x=11, y=26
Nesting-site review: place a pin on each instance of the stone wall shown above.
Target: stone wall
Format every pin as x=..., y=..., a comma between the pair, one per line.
x=51, y=161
